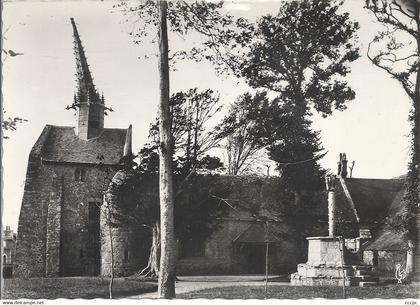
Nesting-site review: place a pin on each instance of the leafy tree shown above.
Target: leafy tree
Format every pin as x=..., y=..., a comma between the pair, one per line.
x=302, y=55
x=395, y=49
x=287, y=138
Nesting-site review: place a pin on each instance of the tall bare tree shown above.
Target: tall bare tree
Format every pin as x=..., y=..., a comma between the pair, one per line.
x=194, y=136
x=216, y=29
x=240, y=130
x=166, y=281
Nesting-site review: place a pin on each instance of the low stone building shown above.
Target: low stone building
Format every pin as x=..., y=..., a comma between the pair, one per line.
x=238, y=243
x=378, y=244
x=9, y=252
x=388, y=246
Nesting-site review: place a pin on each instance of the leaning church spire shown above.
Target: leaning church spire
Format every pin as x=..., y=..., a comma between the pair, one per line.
x=89, y=104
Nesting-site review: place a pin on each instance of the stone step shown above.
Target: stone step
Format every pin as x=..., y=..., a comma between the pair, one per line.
x=352, y=258
x=365, y=278
x=348, y=272
x=353, y=281
x=368, y=284
x=362, y=267
x=363, y=272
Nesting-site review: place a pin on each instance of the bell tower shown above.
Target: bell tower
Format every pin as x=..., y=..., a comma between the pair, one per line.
x=89, y=104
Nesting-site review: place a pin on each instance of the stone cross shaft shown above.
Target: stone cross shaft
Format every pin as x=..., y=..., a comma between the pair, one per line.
x=330, y=183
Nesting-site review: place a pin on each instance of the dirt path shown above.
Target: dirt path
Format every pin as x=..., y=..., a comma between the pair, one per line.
x=192, y=283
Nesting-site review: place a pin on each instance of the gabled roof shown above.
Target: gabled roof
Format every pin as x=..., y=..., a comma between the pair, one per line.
x=63, y=145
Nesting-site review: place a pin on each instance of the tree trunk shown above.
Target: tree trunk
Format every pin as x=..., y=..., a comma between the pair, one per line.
x=416, y=143
x=152, y=268
x=154, y=258
x=409, y=265
x=299, y=229
x=416, y=140
x=166, y=282
x=111, y=241
x=109, y=219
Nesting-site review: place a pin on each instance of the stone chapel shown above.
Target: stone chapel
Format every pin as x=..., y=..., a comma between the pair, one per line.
x=68, y=168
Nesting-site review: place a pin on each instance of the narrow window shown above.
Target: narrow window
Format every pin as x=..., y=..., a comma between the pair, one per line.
x=126, y=255
x=94, y=213
x=77, y=174
x=80, y=174
x=4, y=259
x=81, y=254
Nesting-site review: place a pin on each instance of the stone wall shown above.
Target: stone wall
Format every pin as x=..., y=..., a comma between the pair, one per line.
x=53, y=230
x=223, y=256
x=130, y=248
x=219, y=252
x=57, y=237
x=30, y=250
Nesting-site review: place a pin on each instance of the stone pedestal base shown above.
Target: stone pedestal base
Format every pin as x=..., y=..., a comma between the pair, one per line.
x=325, y=251
x=322, y=275
x=325, y=265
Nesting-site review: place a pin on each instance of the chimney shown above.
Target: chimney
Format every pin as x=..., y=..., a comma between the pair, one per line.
x=8, y=232
x=127, y=145
x=342, y=166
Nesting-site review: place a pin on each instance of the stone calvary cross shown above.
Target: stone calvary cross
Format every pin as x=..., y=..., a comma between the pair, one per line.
x=327, y=264
x=325, y=258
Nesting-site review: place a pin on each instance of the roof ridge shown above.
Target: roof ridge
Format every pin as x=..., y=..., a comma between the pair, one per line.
x=59, y=126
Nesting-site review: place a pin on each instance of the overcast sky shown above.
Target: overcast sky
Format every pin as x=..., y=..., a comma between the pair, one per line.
x=40, y=84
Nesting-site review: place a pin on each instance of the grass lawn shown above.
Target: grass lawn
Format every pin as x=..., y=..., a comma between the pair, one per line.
x=296, y=292
x=74, y=287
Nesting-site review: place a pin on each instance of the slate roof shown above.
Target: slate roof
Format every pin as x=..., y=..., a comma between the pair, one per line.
x=256, y=194
x=63, y=145
x=256, y=233
x=388, y=238
x=373, y=197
